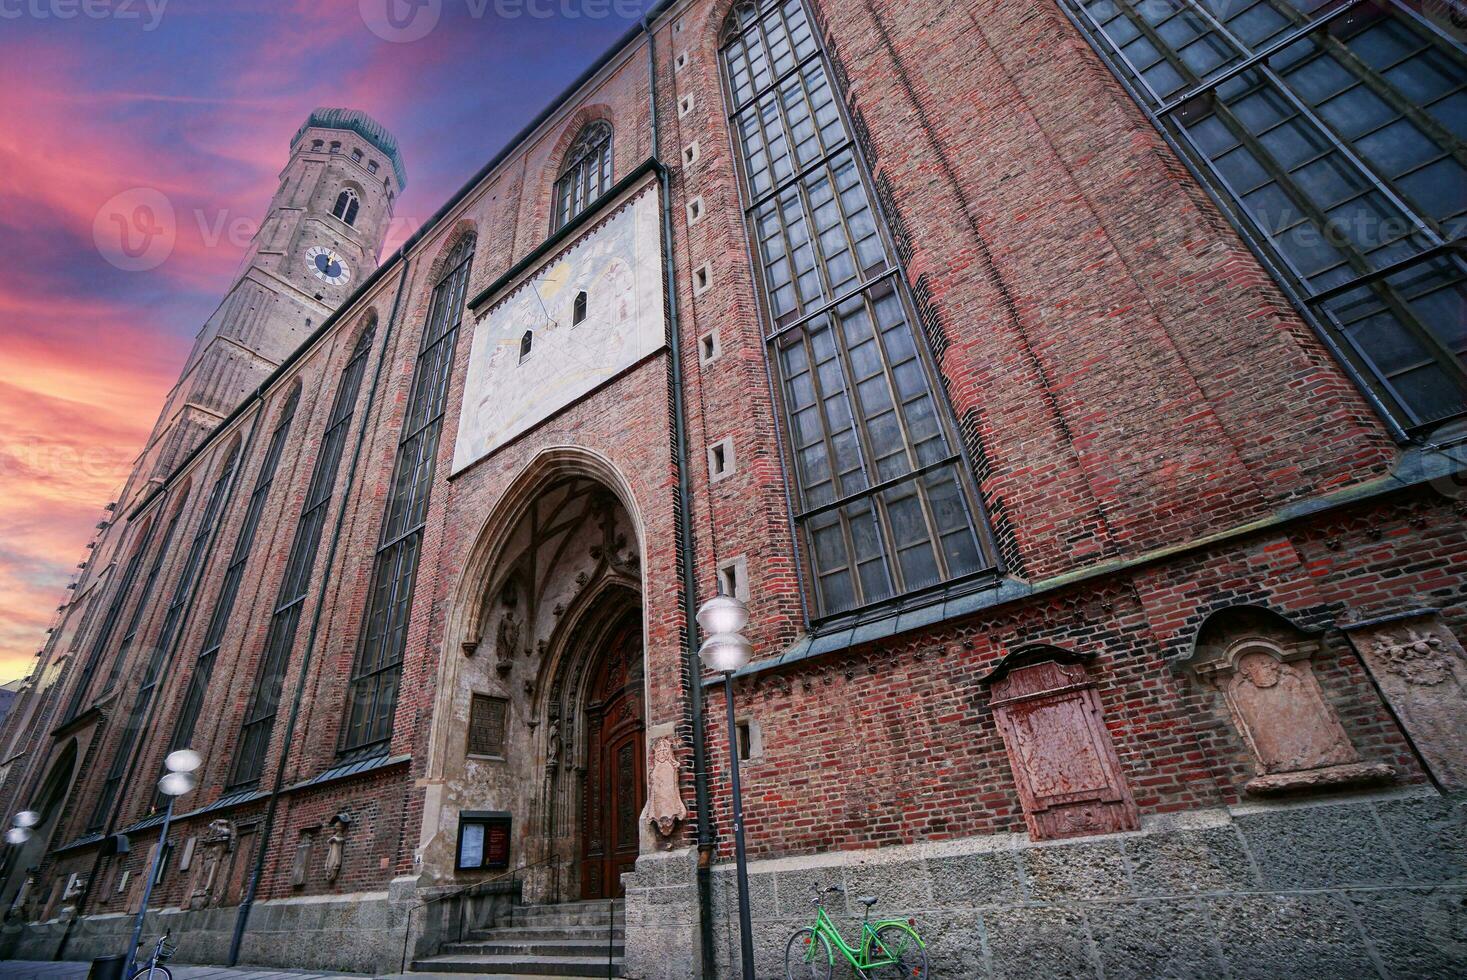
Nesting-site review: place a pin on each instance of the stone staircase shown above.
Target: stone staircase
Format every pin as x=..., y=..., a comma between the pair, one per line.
x=575, y=939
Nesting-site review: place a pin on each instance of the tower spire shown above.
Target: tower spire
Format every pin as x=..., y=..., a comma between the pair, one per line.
x=322, y=233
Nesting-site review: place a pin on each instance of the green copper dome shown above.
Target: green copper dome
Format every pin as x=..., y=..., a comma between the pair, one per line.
x=364, y=126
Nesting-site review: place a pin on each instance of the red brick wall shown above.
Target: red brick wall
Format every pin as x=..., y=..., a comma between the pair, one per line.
x=1126, y=376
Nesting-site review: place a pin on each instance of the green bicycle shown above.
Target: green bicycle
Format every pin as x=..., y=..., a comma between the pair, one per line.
x=888, y=948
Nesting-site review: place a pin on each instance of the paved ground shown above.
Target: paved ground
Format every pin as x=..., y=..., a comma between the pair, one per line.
x=33, y=970
x=68, y=970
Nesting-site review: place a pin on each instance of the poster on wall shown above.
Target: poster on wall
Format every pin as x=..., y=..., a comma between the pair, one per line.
x=584, y=315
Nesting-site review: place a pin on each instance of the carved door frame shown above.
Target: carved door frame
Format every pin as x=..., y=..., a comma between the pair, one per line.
x=615, y=780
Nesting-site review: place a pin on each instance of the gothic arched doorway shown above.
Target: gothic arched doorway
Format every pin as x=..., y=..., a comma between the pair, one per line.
x=615, y=788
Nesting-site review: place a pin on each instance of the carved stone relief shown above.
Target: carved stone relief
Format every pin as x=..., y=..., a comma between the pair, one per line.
x=301, y=866
x=1421, y=669
x=1049, y=715
x=217, y=842
x=1264, y=670
x=665, y=808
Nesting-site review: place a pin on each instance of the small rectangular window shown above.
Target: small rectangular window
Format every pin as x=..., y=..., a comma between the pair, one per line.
x=487, y=719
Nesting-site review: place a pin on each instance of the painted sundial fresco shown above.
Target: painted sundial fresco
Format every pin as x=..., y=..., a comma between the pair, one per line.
x=531, y=356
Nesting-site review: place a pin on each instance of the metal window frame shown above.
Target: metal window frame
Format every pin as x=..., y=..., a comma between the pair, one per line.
x=990, y=560
x=1310, y=304
x=436, y=354
x=193, y=702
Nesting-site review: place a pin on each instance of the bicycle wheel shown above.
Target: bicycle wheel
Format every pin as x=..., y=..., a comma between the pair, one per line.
x=153, y=973
x=807, y=956
x=898, y=945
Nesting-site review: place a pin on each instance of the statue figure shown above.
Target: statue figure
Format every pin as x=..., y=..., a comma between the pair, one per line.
x=509, y=642
x=665, y=808
x=552, y=742
x=336, y=846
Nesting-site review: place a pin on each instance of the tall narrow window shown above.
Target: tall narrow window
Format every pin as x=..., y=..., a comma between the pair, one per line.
x=145, y=594
x=586, y=173
x=172, y=620
x=372, y=696
x=346, y=206
x=120, y=595
x=1338, y=134
x=198, y=685
x=883, y=499
x=527, y=345
x=578, y=308
x=259, y=718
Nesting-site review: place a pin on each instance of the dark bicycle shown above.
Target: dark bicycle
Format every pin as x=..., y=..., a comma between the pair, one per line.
x=154, y=968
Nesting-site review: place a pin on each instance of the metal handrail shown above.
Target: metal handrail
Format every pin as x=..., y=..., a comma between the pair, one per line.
x=407, y=928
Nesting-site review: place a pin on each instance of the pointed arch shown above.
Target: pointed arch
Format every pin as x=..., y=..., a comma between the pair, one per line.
x=583, y=164
x=348, y=203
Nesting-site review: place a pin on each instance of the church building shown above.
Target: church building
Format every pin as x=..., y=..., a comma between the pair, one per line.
x=1075, y=391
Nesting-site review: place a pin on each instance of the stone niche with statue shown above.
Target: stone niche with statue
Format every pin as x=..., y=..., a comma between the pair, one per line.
x=1262, y=667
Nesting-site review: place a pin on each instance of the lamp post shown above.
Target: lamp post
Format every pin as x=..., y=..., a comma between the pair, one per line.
x=178, y=780
x=725, y=651
x=22, y=823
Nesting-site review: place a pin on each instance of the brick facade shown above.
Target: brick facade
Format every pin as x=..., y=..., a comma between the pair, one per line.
x=1156, y=434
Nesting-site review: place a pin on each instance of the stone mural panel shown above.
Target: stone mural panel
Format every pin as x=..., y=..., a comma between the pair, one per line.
x=531, y=358
x=1421, y=670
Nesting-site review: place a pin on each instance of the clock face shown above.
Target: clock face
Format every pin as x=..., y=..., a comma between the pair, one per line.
x=327, y=265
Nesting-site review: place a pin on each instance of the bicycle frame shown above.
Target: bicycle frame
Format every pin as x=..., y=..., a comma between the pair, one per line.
x=866, y=957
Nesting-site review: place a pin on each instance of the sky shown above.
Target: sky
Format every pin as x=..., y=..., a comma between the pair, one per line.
x=192, y=103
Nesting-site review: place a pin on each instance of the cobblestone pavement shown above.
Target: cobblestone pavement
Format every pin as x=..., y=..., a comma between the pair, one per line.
x=76, y=970
x=69, y=970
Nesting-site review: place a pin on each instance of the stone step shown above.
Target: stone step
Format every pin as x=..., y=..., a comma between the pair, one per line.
x=588, y=914
x=544, y=932
x=543, y=947
x=521, y=966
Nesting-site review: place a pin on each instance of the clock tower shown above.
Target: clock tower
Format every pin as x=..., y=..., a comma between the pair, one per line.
x=320, y=238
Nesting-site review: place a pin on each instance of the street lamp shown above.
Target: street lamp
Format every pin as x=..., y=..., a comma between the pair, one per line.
x=21, y=831
x=727, y=650
x=178, y=780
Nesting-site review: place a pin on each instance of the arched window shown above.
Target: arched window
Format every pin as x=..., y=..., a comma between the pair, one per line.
x=884, y=500
x=318, y=145
x=372, y=692
x=586, y=173
x=162, y=646
x=259, y=719
x=219, y=619
x=356, y=154
x=335, y=146
x=1340, y=146
x=346, y=206
x=527, y=344
x=578, y=309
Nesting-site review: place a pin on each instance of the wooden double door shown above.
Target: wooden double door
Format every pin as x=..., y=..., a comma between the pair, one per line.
x=616, y=782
